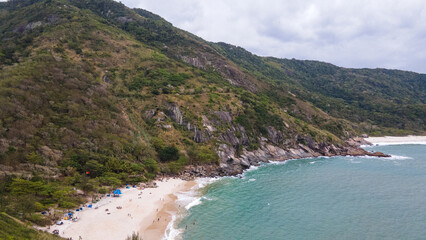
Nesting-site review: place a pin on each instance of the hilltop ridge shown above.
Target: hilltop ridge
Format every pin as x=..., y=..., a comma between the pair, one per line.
x=94, y=94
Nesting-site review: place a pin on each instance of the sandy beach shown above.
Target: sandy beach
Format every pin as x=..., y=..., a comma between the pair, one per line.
x=145, y=211
x=390, y=140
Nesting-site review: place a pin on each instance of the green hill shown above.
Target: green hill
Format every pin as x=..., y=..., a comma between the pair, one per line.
x=94, y=95
x=379, y=101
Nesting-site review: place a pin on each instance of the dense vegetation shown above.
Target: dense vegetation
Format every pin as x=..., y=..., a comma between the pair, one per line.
x=95, y=95
x=14, y=230
x=380, y=101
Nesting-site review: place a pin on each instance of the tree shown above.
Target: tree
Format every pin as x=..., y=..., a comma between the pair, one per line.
x=114, y=165
x=94, y=168
x=151, y=165
x=34, y=158
x=169, y=153
x=25, y=187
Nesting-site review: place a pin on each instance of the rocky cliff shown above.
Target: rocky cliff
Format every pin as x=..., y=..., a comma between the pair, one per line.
x=233, y=153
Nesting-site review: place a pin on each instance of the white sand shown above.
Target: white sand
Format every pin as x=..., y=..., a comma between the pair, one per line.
x=389, y=140
x=97, y=224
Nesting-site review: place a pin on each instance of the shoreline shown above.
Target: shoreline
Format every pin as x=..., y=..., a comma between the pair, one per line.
x=157, y=229
x=152, y=212
x=147, y=211
x=397, y=140
x=386, y=140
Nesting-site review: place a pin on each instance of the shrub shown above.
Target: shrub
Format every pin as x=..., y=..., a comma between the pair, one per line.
x=39, y=206
x=94, y=168
x=169, y=153
x=23, y=187
x=39, y=219
x=103, y=190
x=177, y=166
x=151, y=165
x=65, y=204
x=203, y=154
x=134, y=236
x=110, y=181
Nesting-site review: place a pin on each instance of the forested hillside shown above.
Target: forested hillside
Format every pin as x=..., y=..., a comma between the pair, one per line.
x=379, y=101
x=94, y=95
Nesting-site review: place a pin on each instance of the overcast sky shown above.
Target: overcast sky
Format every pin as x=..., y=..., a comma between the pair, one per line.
x=361, y=33
x=358, y=33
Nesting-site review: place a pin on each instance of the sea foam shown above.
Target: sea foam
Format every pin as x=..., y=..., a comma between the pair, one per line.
x=396, y=143
x=186, y=200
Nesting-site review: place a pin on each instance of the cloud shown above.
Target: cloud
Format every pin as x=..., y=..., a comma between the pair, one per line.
x=363, y=33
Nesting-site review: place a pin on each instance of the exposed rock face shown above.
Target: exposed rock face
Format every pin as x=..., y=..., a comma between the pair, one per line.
x=196, y=62
x=208, y=124
x=176, y=114
x=358, y=141
x=32, y=25
x=124, y=19
x=272, y=148
x=231, y=164
x=230, y=136
x=224, y=116
x=274, y=135
x=150, y=113
x=228, y=71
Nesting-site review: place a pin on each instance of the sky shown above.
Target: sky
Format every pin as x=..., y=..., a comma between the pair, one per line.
x=348, y=33
x=357, y=34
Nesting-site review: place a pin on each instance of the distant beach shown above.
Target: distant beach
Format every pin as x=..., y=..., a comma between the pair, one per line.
x=147, y=211
x=392, y=140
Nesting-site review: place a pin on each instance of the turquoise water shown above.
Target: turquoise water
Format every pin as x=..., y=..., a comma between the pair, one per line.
x=321, y=198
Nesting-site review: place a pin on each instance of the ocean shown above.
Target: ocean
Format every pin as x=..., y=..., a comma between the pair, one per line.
x=316, y=198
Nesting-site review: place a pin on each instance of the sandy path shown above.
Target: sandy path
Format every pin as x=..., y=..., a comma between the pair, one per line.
x=140, y=212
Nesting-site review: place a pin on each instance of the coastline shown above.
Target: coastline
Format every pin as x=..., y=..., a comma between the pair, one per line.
x=152, y=212
x=147, y=211
x=165, y=216
x=397, y=140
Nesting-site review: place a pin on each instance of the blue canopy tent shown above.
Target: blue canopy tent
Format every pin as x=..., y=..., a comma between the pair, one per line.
x=117, y=192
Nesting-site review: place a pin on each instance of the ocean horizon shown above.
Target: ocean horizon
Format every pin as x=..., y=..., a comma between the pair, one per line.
x=342, y=197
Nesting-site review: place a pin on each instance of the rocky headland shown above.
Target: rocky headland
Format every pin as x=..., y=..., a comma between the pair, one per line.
x=234, y=157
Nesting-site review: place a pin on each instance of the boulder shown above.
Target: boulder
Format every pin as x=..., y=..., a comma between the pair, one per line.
x=244, y=163
x=274, y=135
x=224, y=116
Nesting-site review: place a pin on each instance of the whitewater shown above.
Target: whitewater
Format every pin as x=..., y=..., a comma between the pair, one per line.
x=317, y=198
